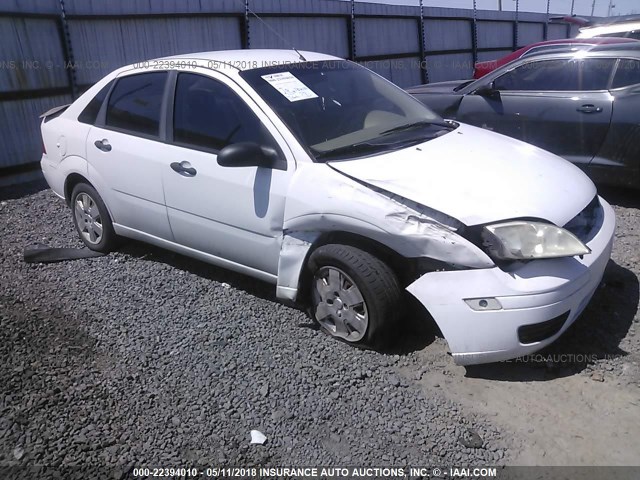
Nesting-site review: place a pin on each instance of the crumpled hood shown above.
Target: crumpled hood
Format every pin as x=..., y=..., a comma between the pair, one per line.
x=478, y=177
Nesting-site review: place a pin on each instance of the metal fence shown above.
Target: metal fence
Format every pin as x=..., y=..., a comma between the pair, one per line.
x=55, y=49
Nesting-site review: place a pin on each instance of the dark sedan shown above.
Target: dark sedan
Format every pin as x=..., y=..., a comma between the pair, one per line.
x=583, y=106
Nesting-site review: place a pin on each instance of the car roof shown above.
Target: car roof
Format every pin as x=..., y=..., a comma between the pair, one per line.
x=615, y=20
x=615, y=50
x=250, y=58
x=622, y=48
x=608, y=29
x=585, y=42
x=589, y=41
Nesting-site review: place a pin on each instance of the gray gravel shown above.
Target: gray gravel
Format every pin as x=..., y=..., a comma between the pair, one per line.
x=146, y=358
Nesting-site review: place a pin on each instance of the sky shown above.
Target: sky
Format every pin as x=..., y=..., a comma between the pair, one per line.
x=581, y=7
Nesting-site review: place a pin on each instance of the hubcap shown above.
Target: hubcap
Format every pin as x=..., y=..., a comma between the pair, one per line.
x=88, y=218
x=339, y=305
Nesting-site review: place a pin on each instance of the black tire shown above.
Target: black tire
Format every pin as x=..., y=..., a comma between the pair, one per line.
x=108, y=240
x=375, y=281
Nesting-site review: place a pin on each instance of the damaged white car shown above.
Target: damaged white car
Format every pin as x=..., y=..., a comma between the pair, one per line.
x=319, y=176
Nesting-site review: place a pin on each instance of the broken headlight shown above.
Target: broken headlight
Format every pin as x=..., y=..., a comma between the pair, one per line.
x=524, y=240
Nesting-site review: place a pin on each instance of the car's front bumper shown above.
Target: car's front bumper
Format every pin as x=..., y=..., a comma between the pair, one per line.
x=539, y=291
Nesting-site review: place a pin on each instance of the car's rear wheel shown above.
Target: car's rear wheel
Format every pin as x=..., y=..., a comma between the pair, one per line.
x=354, y=296
x=92, y=220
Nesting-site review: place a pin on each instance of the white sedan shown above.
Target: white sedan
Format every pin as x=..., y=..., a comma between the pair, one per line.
x=319, y=176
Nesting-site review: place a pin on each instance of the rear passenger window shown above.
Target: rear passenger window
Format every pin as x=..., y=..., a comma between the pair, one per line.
x=90, y=112
x=595, y=73
x=627, y=73
x=135, y=103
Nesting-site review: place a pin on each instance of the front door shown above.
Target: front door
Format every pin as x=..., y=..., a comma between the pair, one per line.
x=233, y=213
x=562, y=106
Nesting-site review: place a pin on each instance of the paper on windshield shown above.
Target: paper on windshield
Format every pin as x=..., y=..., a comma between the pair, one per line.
x=289, y=86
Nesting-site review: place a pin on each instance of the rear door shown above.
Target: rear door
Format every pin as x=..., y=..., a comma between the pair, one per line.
x=125, y=153
x=560, y=105
x=622, y=146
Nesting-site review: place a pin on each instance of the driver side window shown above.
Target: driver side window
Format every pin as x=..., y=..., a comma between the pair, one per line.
x=558, y=75
x=540, y=76
x=208, y=116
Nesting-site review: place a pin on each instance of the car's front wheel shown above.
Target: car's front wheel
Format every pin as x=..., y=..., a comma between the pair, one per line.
x=354, y=295
x=92, y=219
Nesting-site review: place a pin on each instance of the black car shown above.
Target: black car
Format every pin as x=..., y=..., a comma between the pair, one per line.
x=583, y=106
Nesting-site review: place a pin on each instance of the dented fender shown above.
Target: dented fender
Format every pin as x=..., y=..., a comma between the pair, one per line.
x=410, y=229
x=293, y=253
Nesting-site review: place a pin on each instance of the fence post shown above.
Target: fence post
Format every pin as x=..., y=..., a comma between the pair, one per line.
x=246, y=37
x=423, y=46
x=568, y=34
x=474, y=33
x=351, y=31
x=67, y=48
x=546, y=22
x=516, y=27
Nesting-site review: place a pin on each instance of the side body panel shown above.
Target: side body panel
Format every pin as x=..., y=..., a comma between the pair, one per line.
x=322, y=200
x=230, y=212
x=618, y=161
x=572, y=125
x=64, y=139
x=236, y=213
x=131, y=175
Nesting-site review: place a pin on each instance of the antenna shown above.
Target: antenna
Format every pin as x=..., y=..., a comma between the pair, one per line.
x=273, y=30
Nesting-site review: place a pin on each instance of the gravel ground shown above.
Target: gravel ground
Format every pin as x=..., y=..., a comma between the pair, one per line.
x=147, y=358
x=143, y=357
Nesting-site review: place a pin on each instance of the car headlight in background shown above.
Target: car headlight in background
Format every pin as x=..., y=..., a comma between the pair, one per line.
x=523, y=240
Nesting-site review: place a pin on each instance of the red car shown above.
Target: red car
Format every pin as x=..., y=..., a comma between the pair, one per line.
x=482, y=68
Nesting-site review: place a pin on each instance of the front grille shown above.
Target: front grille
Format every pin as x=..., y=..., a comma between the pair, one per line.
x=537, y=332
x=585, y=224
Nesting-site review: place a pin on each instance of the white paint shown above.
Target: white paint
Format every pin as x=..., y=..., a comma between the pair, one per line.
x=478, y=176
x=264, y=222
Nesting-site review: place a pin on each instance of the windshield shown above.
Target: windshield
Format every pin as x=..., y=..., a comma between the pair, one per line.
x=338, y=108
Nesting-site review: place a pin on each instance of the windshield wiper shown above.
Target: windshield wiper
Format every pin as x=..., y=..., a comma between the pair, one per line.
x=363, y=147
x=462, y=85
x=411, y=126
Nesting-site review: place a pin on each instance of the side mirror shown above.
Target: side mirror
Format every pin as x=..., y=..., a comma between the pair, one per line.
x=488, y=91
x=249, y=154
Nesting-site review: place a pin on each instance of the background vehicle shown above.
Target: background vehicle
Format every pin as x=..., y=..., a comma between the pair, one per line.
x=550, y=46
x=627, y=26
x=582, y=106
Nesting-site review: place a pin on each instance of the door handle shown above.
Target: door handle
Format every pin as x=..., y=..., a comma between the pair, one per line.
x=184, y=168
x=103, y=145
x=589, y=109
